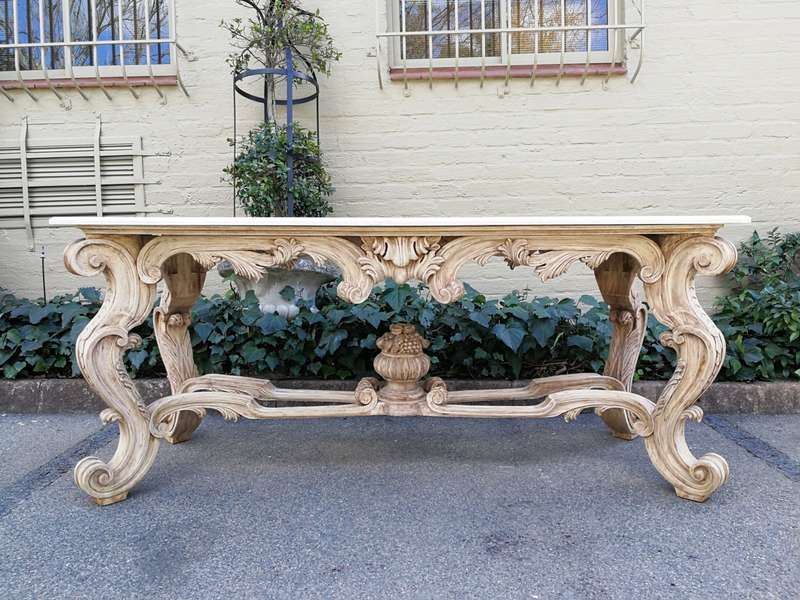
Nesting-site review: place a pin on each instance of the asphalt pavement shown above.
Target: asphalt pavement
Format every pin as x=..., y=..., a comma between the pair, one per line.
x=400, y=508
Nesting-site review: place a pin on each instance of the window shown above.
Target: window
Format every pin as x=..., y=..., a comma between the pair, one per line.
x=480, y=33
x=85, y=38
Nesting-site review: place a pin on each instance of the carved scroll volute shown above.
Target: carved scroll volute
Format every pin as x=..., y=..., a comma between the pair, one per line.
x=253, y=255
x=700, y=347
x=356, y=285
x=99, y=351
x=535, y=252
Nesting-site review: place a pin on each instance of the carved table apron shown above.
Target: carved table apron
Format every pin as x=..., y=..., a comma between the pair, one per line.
x=135, y=255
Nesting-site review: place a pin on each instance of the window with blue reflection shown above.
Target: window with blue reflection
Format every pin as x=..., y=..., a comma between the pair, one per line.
x=103, y=20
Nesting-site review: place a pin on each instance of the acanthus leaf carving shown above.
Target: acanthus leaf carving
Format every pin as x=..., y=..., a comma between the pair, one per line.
x=253, y=264
x=548, y=264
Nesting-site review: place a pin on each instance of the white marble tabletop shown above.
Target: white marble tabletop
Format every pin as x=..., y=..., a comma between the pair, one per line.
x=398, y=222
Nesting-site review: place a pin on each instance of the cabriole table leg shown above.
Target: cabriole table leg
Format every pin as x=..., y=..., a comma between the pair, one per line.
x=628, y=316
x=100, y=349
x=701, y=351
x=184, y=280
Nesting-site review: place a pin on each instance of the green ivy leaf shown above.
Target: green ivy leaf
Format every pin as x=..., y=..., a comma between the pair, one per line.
x=270, y=324
x=29, y=346
x=331, y=341
x=5, y=356
x=40, y=313
x=137, y=358
x=203, y=331
x=543, y=331
x=252, y=354
x=580, y=341
x=510, y=336
x=70, y=311
x=11, y=371
x=397, y=296
x=480, y=318
x=520, y=313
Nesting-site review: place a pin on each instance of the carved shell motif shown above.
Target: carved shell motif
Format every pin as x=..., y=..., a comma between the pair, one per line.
x=401, y=258
x=547, y=264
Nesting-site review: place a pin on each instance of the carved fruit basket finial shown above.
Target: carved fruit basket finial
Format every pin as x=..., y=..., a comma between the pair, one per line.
x=402, y=363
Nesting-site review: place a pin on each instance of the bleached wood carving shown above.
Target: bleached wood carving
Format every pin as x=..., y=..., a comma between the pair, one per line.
x=425, y=259
x=628, y=316
x=568, y=404
x=401, y=259
x=701, y=351
x=99, y=351
x=171, y=320
x=665, y=258
x=402, y=363
x=550, y=255
x=232, y=405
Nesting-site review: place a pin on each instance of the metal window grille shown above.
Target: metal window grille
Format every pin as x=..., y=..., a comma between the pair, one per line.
x=78, y=39
x=69, y=177
x=429, y=34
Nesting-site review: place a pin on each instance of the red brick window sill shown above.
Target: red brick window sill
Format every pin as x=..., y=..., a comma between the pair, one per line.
x=501, y=71
x=90, y=82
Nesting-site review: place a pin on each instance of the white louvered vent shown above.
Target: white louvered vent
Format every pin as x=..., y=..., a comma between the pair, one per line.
x=39, y=180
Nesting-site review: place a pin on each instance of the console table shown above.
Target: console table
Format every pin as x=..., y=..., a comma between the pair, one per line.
x=136, y=254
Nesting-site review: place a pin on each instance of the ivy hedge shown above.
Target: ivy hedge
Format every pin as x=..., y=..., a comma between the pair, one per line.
x=476, y=338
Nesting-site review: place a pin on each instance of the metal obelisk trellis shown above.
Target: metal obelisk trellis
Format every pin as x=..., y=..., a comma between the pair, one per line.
x=292, y=76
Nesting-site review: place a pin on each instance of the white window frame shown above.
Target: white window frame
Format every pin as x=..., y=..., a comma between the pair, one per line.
x=70, y=72
x=614, y=55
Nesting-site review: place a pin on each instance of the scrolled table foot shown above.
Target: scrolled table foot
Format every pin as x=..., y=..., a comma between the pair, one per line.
x=95, y=478
x=109, y=483
x=693, y=478
x=111, y=501
x=183, y=427
x=709, y=473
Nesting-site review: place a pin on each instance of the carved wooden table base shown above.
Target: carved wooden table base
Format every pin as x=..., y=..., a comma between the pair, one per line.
x=135, y=255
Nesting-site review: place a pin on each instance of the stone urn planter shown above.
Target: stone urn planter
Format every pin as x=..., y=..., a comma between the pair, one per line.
x=305, y=278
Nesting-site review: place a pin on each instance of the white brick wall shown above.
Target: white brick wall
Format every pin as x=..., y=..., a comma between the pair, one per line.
x=712, y=126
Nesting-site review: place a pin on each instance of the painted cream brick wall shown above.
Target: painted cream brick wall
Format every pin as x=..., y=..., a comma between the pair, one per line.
x=712, y=126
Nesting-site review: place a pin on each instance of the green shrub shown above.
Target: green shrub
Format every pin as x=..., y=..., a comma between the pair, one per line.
x=39, y=340
x=475, y=338
x=261, y=173
x=761, y=316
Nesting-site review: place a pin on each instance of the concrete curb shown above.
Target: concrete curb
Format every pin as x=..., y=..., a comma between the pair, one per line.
x=72, y=396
